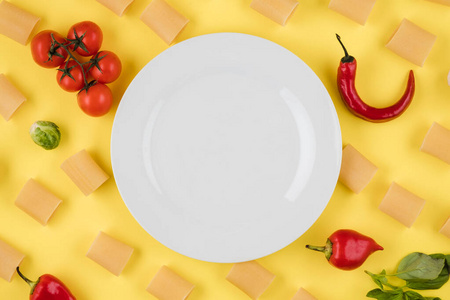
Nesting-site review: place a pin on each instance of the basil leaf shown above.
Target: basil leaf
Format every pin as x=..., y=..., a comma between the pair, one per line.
x=410, y=295
x=379, y=279
x=385, y=295
x=419, y=266
x=433, y=284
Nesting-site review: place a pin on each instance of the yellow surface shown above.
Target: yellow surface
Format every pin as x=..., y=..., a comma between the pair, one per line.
x=60, y=247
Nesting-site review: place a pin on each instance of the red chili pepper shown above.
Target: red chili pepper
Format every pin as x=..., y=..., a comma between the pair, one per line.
x=347, y=249
x=47, y=287
x=346, y=85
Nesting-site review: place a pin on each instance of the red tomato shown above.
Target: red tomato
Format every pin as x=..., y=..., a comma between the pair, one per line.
x=86, y=38
x=67, y=83
x=105, y=67
x=96, y=101
x=45, y=52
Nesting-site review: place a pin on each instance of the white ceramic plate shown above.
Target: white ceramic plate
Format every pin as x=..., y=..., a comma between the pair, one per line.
x=226, y=147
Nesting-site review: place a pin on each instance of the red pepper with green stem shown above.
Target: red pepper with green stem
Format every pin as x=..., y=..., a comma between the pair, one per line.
x=346, y=86
x=347, y=249
x=47, y=287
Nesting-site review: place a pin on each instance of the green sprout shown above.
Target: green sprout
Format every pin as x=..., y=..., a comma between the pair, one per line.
x=45, y=134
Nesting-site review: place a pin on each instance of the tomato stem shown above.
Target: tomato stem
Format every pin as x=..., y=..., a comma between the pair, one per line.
x=65, y=47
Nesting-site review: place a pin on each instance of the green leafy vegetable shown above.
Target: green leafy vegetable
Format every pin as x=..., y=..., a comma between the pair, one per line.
x=419, y=266
x=420, y=272
x=45, y=134
x=379, y=279
x=432, y=284
x=386, y=294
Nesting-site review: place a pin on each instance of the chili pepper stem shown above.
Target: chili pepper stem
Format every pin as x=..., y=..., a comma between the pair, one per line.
x=346, y=58
x=32, y=284
x=327, y=249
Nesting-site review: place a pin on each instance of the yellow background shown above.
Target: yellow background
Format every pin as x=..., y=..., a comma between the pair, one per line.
x=60, y=247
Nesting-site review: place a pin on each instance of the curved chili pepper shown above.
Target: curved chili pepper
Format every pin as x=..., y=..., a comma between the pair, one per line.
x=347, y=249
x=346, y=85
x=47, y=287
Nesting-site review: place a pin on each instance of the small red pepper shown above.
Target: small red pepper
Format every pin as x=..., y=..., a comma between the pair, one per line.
x=47, y=287
x=347, y=249
x=346, y=85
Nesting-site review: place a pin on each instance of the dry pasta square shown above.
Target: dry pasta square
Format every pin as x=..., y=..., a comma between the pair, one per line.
x=411, y=42
x=303, y=294
x=116, y=6
x=84, y=172
x=164, y=20
x=10, y=98
x=10, y=259
x=38, y=202
x=277, y=10
x=402, y=205
x=356, y=10
x=445, y=2
x=437, y=142
x=168, y=285
x=252, y=278
x=356, y=170
x=111, y=254
x=16, y=23
x=445, y=229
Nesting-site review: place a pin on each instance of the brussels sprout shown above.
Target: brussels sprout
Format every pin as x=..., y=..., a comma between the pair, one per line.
x=45, y=134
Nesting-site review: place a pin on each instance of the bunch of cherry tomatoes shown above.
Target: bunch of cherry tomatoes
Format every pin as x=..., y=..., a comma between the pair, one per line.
x=75, y=74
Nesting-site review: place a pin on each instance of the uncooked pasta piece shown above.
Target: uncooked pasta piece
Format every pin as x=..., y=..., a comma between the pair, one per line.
x=37, y=201
x=10, y=98
x=251, y=278
x=437, y=142
x=116, y=6
x=164, y=20
x=168, y=285
x=445, y=229
x=445, y=2
x=448, y=78
x=402, y=205
x=411, y=42
x=16, y=23
x=84, y=172
x=111, y=254
x=356, y=170
x=356, y=10
x=303, y=294
x=276, y=10
x=10, y=259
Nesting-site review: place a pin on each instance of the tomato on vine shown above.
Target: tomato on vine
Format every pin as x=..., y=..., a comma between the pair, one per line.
x=105, y=67
x=46, y=53
x=70, y=76
x=85, y=38
x=95, y=100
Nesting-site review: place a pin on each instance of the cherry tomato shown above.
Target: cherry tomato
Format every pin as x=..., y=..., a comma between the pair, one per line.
x=105, y=67
x=96, y=101
x=86, y=38
x=64, y=79
x=45, y=52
